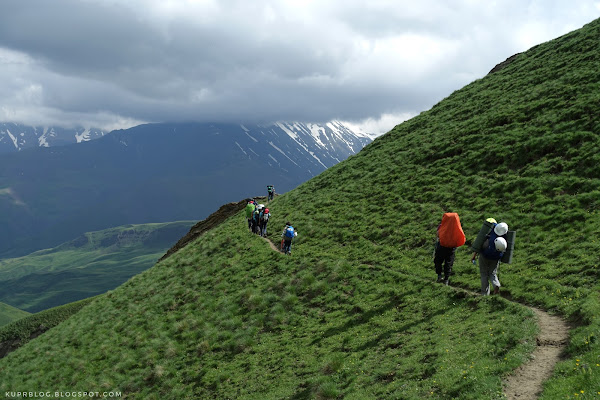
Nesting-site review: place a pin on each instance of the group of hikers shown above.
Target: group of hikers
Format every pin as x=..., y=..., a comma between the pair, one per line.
x=258, y=216
x=493, y=244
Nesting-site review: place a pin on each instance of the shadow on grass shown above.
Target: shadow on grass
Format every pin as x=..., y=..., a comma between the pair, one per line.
x=365, y=317
x=386, y=335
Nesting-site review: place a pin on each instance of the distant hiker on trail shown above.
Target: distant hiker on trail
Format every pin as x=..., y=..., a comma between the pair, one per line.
x=256, y=218
x=270, y=192
x=287, y=236
x=490, y=247
x=265, y=214
x=249, y=212
x=450, y=236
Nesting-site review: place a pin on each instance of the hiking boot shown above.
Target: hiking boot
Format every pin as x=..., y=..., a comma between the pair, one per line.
x=446, y=282
x=496, y=290
x=439, y=279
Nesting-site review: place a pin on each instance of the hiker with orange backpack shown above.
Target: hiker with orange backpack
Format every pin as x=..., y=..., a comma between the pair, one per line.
x=450, y=236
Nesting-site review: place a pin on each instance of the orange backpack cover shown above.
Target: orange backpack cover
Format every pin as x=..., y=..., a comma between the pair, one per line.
x=450, y=232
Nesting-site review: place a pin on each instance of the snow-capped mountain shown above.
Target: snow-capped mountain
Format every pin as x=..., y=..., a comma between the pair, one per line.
x=156, y=173
x=16, y=137
x=315, y=147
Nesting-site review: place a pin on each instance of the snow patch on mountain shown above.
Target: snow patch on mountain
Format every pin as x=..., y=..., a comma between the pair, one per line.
x=14, y=139
x=282, y=152
x=83, y=136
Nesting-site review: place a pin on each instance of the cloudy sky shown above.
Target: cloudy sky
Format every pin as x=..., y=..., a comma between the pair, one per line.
x=114, y=64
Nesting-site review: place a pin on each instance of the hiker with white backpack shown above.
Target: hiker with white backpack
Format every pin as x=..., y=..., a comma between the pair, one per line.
x=490, y=253
x=264, y=216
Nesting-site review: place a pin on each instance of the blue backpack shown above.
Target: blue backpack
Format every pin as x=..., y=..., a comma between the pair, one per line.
x=490, y=251
x=289, y=232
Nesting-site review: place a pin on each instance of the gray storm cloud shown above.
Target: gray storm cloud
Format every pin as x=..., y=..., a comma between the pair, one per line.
x=113, y=64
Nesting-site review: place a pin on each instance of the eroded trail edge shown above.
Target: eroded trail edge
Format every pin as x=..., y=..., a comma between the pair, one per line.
x=527, y=381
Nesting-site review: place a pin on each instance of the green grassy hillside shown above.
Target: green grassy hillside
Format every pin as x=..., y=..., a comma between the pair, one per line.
x=16, y=333
x=354, y=313
x=10, y=314
x=91, y=264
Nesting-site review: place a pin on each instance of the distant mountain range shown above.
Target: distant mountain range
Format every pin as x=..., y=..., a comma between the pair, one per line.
x=17, y=137
x=156, y=173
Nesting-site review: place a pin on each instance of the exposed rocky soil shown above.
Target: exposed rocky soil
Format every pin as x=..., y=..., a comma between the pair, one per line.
x=14, y=343
x=214, y=219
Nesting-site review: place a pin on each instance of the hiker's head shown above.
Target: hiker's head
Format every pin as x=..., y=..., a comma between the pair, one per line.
x=288, y=224
x=266, y=210
x=492, y=220
x=501, y=229
x=500, y=244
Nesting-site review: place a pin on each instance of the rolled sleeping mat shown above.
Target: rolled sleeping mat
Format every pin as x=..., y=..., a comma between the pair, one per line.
x=483, y=232
x=510, y=247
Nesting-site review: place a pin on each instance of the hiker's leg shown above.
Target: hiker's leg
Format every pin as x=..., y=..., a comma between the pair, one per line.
x=483, y=273
x=438, y=259
x=448, y=263
x=494, y=277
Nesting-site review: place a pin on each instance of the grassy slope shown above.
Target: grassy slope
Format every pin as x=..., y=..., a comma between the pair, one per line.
x=21, y=331
x=9, y=314
x=353, y=312
x=92, y=264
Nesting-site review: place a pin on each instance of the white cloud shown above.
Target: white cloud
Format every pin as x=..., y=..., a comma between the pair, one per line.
x=155, y=60
x=378, y=126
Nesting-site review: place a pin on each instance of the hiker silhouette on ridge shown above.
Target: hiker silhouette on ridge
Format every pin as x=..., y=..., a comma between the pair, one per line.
x=270, y=192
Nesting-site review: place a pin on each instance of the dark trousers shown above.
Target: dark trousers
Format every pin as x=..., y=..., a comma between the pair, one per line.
x=443, y=255
x=262, y=228
x=287, y=245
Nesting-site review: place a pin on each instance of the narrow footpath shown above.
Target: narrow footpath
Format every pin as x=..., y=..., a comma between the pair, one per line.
x=527, y=381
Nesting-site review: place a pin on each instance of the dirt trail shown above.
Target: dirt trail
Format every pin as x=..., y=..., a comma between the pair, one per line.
x=275, y=248
x=527, y=380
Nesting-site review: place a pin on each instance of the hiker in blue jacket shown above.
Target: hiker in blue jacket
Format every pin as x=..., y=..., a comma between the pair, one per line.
x=287, y=236
x=491, y=252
